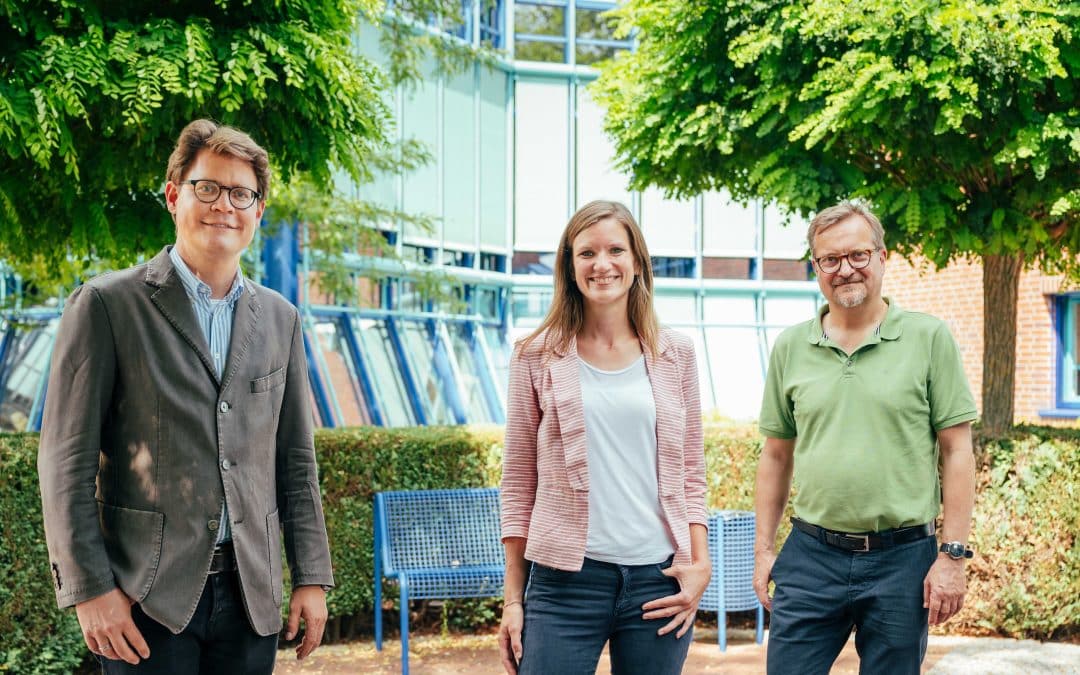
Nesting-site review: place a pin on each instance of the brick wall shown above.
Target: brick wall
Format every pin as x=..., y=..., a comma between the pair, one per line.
x=955, y=295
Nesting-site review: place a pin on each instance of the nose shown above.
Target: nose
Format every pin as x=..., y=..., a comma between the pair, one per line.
x=850, y=270
x=223, y=202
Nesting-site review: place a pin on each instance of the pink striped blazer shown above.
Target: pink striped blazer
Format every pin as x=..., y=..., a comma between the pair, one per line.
x=545, y=478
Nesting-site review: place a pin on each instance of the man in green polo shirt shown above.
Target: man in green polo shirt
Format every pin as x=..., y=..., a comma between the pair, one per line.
x=862, y=404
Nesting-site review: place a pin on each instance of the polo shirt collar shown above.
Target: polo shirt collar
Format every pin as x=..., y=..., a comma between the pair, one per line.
x=891, y=326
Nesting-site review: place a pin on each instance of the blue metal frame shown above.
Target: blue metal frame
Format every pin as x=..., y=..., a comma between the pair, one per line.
x=440, y=353
x=321, y=402
x=363, y=375
x=407, y=374
x=1065, y=308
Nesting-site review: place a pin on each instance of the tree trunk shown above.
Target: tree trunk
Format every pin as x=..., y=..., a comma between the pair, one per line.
x=1001, y=282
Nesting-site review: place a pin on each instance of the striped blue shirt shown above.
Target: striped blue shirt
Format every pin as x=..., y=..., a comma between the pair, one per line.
x=215, y=318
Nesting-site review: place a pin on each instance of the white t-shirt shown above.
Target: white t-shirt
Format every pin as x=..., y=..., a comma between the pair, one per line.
x=626, y=523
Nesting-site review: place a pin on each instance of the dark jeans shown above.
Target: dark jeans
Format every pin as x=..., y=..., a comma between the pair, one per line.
x=570, y=615
x=822, y=592
x=218, y=639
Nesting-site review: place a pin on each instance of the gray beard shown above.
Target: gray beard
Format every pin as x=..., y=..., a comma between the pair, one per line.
x=849, y=300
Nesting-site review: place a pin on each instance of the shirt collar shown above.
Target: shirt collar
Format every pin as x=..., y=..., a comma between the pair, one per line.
x=197, y=288
x=889, y=329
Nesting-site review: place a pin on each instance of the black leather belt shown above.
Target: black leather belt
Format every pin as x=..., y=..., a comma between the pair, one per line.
x=863, y=542
x=224, y=560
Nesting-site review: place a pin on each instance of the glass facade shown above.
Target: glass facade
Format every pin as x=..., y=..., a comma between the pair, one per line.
x=516, y=148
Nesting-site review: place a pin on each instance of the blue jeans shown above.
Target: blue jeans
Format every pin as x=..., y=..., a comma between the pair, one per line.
x=570, y=615
x=218, y=639
x=822, y=592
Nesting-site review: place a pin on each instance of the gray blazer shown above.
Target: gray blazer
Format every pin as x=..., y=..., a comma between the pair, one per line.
x=140, y=444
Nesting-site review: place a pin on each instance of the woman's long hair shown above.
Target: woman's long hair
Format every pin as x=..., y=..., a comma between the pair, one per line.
x=566, y=316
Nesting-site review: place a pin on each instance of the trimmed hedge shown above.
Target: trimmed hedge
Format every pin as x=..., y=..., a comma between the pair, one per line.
x=1024, y=581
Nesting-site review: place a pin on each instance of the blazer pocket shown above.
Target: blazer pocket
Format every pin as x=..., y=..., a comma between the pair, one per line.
x=268, y=382
x=273, y=546
x=133, y=542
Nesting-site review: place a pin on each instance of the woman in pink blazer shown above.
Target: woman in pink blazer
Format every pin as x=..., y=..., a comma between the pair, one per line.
x=603, y=488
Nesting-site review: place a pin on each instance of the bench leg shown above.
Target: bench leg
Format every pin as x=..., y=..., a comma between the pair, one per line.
x=404, y=626
x=378, y=604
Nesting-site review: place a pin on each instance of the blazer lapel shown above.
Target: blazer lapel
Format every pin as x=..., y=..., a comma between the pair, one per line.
x=670, y=414
x=173, y=301
x=570, y=411
x=245, y=321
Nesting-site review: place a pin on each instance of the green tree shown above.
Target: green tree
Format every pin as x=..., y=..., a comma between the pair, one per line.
x=93, y=93
x=958, y=121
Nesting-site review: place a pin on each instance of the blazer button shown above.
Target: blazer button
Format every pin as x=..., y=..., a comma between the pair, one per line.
x=225, y=464
x=212, y=525
x=224, y=407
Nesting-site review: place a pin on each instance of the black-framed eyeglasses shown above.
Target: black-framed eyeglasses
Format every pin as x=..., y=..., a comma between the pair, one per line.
x=208, y=191
x=856, y=260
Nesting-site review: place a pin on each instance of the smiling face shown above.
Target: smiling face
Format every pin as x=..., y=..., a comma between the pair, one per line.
x=847, y=287
x=215, y=233
x=604, y=263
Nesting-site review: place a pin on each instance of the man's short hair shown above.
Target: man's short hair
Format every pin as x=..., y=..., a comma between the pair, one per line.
x=826, y=218
x=223, y=140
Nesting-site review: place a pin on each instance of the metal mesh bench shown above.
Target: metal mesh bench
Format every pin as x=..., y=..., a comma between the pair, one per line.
x=436, y=544
x=731, y=548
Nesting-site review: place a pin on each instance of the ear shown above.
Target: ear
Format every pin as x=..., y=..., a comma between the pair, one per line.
x=260, y=206
x=172, y=195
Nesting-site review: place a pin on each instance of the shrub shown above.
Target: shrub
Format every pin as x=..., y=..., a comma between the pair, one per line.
x=35, y=636
x=1023, y=582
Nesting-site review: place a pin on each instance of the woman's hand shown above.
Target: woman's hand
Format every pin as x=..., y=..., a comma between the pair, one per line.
x=513, y=619
x=682, y=607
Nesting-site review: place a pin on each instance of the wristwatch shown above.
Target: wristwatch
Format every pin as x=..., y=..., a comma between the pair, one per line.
x=956, y=550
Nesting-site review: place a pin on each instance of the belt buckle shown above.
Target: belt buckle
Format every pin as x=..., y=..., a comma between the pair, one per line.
x=865, y=540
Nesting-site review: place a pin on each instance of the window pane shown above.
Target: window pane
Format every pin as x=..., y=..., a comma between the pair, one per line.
x=420, y=351
x=784, y=240
x=26, y=368
x=470, y=369
x=378, y=350
x=500, y=351
x=459, y=160
x=730, y=228
x=668, y=224
x=542, y=161
x=737, y=373
x=530, y=304
x=539, y=20
x=675, y=309
x=493, y=164
x=596, y=174
x=419, y=121
x=341, y=374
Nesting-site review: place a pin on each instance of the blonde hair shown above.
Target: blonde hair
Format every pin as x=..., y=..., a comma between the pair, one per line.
x=834, y=214
x=222, y=140
x=566, y=316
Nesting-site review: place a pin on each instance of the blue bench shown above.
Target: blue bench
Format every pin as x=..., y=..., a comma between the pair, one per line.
x=731, y=548
x=436, y=544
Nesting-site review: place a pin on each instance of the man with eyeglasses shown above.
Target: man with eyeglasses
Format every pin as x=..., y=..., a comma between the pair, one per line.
x=177, y=441
x=861, y=405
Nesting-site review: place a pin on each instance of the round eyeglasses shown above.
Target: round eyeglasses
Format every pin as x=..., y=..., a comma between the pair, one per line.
x=208, y=191
x=857, y=260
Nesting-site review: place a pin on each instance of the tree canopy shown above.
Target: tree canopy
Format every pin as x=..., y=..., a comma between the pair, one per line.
x=93, y=94
x=958, y=121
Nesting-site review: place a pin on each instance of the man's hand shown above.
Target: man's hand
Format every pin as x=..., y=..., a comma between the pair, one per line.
x=108, y=629
x=513, y=619
x=693, y=580
x=764, y=560
x=944, y=588
x=307, y=603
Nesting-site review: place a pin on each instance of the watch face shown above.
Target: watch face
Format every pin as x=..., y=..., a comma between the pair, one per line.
x=954, y=549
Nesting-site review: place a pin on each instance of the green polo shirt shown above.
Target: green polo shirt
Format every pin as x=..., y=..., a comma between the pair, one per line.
x=866, y=456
